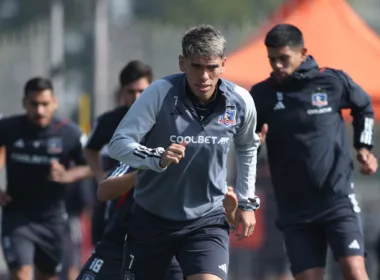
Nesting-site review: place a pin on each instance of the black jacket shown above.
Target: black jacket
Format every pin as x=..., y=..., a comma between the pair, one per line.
x=308, y=150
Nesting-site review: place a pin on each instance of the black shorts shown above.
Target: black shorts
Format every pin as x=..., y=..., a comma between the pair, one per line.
x=106, y=268
x=27, y=242
x=339, y=227
x=200, y=246
x=98, y=267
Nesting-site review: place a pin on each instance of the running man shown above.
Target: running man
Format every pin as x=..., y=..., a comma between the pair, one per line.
x=133, y=79
x=39, y=150
x=180, y=120
x=300, y=115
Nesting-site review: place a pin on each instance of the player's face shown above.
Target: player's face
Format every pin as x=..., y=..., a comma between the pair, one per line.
x=40, y=107
x=285, y=60
x=129, y=93
x=202, y=74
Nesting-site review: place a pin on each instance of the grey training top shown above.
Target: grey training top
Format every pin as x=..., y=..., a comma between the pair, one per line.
x=162, y=115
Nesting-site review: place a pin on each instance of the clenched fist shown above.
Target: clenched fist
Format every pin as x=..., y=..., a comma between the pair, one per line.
x=368, y=162
x=58, y=173
x=263, y=133
x=173, y=154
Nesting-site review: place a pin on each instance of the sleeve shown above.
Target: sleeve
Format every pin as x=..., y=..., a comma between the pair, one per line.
x=359, y=102
x=261, y=112
x=120, y=170
x=141, y=117
x=246, y=144
x=98, y=138
x=76, y=152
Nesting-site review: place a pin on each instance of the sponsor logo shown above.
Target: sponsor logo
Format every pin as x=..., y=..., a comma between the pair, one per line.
x=200, y=139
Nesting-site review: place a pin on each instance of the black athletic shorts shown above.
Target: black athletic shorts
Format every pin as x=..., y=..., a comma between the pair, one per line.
x=30, y=242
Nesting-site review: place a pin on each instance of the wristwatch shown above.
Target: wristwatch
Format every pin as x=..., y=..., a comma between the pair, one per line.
x=252, y=204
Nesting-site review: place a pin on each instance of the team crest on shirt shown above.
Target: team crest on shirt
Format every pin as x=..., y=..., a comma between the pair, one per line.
x=319, y=99
x=54, y=145
x=229, y=117
x=88, y=277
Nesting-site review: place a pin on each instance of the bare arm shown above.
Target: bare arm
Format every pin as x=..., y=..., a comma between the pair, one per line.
x=115, y=187
x=118, y=183
x=79, y=173
x=94, y=161
x=3, y=135
x=59, y=174
x=2, y=157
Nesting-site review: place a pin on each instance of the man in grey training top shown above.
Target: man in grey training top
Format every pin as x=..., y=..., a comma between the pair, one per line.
x=179, y=208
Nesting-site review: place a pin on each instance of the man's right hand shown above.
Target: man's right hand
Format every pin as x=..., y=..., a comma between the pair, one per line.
x=4, y=199
x=173, y=154
x=263, y=133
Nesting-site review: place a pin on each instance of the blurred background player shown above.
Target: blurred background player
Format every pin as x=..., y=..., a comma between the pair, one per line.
x=299, y=110
x=133, y=79
x=106, y=261
x=40, y=150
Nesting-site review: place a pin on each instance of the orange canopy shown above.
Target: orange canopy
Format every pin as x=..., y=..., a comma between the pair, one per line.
x=334, y=34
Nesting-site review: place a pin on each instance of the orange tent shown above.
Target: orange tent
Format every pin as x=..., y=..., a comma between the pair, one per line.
x=334, y=34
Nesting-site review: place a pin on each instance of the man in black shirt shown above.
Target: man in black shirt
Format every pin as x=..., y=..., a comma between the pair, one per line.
x=299, y=111
x=133, y=79
x=39, y=150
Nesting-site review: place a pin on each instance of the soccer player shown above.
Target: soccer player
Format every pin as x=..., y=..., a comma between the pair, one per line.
x=133, y=79
x=180, y=188
x=40, y=148
x=106, y=262
x=107, y=259
x=299, y=111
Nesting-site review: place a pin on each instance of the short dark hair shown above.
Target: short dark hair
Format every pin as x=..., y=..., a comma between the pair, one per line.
x=37, y=84
x=283, y=35
x=133, y=71
x=203, y=40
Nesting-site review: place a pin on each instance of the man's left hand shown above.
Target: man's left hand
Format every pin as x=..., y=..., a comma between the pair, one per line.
x=248, y=221
x=58, y=173
x=368, y=161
